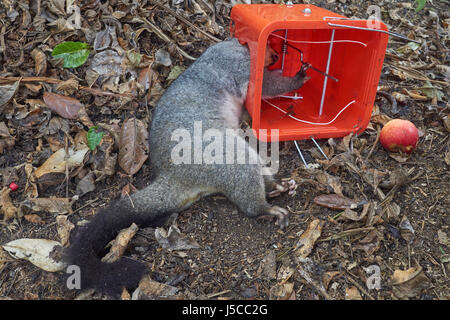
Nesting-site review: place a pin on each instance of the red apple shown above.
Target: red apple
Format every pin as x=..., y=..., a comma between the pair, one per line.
x=399, y=134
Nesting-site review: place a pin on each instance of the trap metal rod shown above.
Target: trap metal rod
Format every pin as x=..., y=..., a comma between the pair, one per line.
x=325, y=80
x=320, y=149
x=397, y=35
x=300, y=153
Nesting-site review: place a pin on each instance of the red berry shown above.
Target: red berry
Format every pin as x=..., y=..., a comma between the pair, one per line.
x=13, y=186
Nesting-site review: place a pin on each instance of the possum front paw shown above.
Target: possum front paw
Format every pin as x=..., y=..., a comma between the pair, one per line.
x=280, y=214
x=287, y=185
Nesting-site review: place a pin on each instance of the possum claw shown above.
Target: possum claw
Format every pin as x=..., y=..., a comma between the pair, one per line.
x=280, y=214
x=288, y=186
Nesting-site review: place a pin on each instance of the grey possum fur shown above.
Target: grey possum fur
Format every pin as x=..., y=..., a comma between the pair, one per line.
x=212, y=90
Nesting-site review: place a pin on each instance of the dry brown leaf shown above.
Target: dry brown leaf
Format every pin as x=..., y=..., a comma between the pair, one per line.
x=353, y=215
x=7, y=91
x=52, y=205
x=31, y=190
x=409, y=283
x=380, y=119
x=66, y=107
x=7, y=207
x=64, y=227
x=151, y=288
x=284, y=273
x=415, y=95
x=352, y=294
x=335, y=201
x=400, y=158
x=308, y=238
x=281, y=291
x=268, y=266
x=370, y=243
x=329, y=180
x=69, y=86
x=133, y=146
x=57, y=162
x=34, y=218
x=6, y=140
x=120, y=244
x=328, y=276
x=40, y=61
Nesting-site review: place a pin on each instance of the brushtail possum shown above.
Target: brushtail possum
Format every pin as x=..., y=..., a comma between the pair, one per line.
x=212, y=90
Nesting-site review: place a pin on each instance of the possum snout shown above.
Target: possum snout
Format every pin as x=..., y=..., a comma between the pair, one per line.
x=271, y=57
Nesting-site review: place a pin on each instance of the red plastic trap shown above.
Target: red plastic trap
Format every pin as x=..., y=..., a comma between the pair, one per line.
x=346, y=58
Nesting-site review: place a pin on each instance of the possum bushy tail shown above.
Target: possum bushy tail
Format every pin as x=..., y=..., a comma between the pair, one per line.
x=89, y=241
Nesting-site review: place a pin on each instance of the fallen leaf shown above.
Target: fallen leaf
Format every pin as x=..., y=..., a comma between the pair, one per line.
x=66, y=107
x=370, y=243
x=151, y=288
x=133, y=146
x=380, y=119
x=329, y=180
x=120, y=244
x=7, y=91
x=174, y=239
x=69, y=86
x=308, y=238
x=85, y=185
x=328, y=276
x=284, y=273
x=352, y=294
x=409, y=283
x=6, y=140
x=64, y=227
x=442, y=237
x=335, y=201
x=51, y=205
x=34, y=218
x=37, y=251
x=40, y=61
x=400, y=158
x=406, y=230
x=353, y=215
x=281, y=291
x=57, y=162
x=8, y=209
x=268, y=266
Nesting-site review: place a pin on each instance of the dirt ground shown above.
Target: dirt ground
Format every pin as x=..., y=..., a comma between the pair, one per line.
x=401, y=223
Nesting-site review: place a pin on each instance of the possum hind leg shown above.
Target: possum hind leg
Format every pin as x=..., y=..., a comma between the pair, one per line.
x=248, y=193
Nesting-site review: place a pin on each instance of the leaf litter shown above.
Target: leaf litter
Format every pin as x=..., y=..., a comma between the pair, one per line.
x=136, y=53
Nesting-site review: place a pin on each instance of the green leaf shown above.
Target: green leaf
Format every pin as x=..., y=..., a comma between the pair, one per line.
x=174, y=73
x=420, y=4
x=432, y=92
x=94, y=137
x=73, y=53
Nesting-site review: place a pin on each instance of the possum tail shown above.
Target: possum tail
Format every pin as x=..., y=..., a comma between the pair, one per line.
x=148, y=207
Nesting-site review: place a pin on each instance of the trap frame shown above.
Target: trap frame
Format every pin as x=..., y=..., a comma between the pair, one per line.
x=344, y=57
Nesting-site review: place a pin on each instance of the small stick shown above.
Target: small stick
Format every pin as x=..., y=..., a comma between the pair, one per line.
x=183, y=19
x=374, y=144
x=57, y=81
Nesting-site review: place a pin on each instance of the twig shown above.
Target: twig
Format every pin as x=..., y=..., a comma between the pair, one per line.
x=218, y=294
x=359, y=286
x=166, y=38
x=391, y=99
x=309, y=281
x=184, y=20
x=374, y=144
x=57, y=81
x=347, y=233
